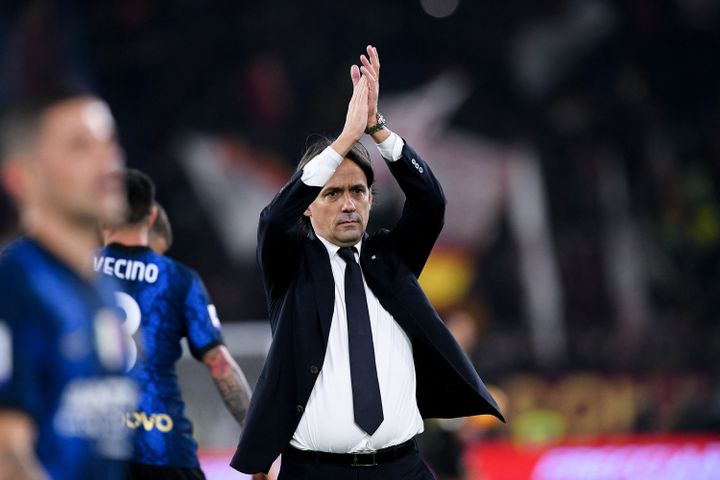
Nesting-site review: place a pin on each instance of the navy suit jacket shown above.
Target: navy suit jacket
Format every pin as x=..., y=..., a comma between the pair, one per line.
x=300, y=290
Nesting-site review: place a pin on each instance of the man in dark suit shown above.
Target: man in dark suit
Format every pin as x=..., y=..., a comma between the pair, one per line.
x=359, y=356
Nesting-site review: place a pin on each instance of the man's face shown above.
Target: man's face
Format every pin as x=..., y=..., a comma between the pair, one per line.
x=340, y=213
x=76, y=169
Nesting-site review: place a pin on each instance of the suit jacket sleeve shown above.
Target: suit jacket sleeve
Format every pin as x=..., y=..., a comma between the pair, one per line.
x=423, y=214
x=280, y=234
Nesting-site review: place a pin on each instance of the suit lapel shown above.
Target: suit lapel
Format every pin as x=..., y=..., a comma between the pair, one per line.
x=323, y=283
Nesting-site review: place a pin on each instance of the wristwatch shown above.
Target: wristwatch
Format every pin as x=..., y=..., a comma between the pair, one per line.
x=378, y=126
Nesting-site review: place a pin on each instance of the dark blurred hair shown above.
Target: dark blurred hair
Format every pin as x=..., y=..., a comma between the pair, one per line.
x=358, y=154
x=20, y=118
x=161, y=227
x=140, y=191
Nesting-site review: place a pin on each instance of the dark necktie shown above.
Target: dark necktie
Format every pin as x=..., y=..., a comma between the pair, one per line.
x=365, y=388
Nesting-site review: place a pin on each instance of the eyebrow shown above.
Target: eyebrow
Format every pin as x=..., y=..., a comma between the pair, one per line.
x=337, y=189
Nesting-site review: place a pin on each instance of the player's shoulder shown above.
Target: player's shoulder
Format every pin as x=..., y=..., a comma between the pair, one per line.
x=12, y=274
x=18, y=248
x=182, y=270
x=17, y=260
x=28, y=275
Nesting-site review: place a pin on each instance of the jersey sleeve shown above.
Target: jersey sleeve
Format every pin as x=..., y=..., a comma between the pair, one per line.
x=23, y=349
x=201, y=320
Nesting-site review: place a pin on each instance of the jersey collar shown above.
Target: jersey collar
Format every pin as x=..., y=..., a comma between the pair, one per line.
x=129, y=248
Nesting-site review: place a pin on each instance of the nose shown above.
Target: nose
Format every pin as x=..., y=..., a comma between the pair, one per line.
x=348, y=204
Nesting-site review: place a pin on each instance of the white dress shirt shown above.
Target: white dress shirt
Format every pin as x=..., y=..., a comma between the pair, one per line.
x=328, y=423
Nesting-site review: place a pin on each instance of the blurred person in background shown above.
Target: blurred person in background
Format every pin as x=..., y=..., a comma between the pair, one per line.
x=62, y=349
x=359, y=356
x=160, y=238
x=163, y=302
x=441, y=443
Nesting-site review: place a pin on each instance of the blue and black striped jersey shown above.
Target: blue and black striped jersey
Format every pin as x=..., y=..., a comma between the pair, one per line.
x=62, y=361
x=163, y=301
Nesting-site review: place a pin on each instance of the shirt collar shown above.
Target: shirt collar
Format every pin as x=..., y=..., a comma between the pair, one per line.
x=332, y=249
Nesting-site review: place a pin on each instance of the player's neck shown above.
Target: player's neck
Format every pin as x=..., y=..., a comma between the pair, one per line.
x=71, y=242
x=130, y=237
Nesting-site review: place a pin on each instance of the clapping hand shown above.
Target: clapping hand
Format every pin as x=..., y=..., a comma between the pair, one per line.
x=362, y=108
x=371, y=70
x=356, y=118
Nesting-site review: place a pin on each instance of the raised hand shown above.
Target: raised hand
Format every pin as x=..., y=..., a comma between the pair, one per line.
x=371, y=69
x=356, y=118
x=362, y=109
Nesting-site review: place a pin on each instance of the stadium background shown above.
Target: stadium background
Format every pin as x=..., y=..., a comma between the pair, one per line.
x=578, y=142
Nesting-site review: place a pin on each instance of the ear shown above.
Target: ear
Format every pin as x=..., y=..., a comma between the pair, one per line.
x=370, y=197
x=14, y=178
x=153, y=215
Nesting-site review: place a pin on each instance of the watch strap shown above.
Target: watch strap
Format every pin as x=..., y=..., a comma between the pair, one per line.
x=378, y=126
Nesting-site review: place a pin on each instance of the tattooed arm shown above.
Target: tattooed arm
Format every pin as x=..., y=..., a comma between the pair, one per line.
x=230, y=381
x=17, y=455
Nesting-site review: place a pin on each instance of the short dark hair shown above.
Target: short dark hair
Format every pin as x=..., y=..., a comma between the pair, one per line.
x=20, y=118
x=358, y=154
x=162, y=227
x=140, y=191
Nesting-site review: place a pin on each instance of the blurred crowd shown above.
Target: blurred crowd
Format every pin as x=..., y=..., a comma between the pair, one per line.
x=613, y=104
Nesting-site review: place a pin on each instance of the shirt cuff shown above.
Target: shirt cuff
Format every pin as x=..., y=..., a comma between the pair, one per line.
x=391, y=147
x=319, y=170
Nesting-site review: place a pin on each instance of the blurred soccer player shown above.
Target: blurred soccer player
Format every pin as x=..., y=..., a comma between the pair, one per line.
x=62, y=350
x=164, y=301
x=161, y=237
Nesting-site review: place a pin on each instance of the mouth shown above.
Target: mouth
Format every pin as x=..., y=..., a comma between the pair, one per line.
x=349, y=222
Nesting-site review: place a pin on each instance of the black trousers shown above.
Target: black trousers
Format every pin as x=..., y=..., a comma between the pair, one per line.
x=410, y=467
x=138, y=471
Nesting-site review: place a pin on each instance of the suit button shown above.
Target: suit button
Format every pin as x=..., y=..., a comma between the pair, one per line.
x=314, y=370
x=300, y=408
